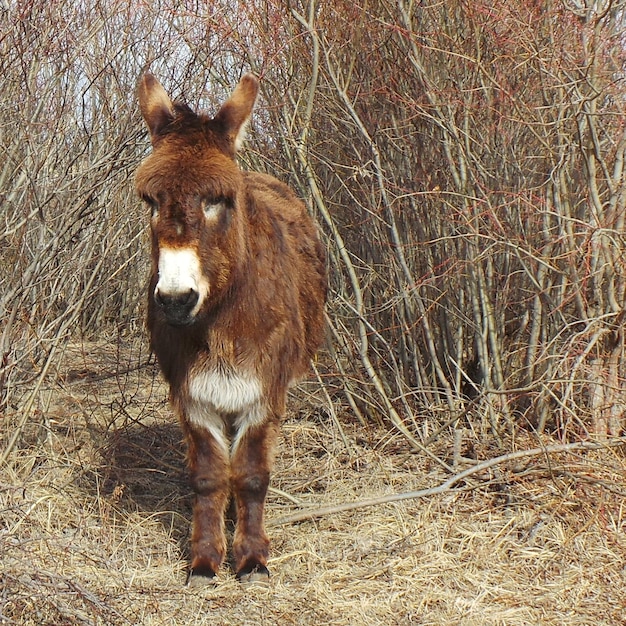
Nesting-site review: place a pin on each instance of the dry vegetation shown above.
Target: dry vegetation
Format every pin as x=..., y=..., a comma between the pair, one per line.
x=96, y=510
x=465, y=163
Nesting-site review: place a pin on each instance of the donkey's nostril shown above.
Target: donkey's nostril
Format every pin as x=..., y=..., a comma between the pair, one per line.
x=158, y=298
x=189, y=299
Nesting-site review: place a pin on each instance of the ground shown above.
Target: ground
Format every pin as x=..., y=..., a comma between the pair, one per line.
x=95, y=513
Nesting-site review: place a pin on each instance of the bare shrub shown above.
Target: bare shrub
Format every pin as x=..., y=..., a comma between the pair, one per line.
x=467, y=161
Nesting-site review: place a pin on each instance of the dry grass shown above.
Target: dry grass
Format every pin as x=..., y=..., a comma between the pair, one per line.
x=95, y=514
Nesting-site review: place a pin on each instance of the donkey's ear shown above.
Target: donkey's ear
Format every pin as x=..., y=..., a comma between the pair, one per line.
x=156, y=107
x=235, y=113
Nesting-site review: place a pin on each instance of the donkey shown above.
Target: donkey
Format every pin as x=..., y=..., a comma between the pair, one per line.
x=235, y=312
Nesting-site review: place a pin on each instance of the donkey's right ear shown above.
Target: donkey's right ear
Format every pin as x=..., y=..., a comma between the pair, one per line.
x=156, y=107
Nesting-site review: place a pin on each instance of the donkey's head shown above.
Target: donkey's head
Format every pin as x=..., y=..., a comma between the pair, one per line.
x=193, y=187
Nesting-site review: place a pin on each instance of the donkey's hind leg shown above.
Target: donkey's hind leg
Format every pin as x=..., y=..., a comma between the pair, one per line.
x=251, y=464
x=209, y=469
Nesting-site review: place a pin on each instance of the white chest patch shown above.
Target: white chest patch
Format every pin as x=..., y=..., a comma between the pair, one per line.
x=226, y=392
x=216, y=395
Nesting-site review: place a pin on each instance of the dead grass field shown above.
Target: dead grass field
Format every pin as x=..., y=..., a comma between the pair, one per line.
x=95, y=513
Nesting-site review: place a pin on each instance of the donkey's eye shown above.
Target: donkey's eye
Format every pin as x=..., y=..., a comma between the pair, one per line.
x=152, y=204
x=213, y=208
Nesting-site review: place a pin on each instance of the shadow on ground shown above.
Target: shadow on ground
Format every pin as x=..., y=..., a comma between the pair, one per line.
x=143, y=469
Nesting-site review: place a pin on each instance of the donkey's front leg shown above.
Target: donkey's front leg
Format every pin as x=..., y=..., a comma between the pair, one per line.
x=209, y=473
x=251, y=464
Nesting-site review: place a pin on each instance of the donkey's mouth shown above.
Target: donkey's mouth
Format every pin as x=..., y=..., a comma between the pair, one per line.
x=179, y=321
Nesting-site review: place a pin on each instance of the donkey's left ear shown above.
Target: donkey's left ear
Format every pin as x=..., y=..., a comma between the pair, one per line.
x=156, y=107
x=235, y=113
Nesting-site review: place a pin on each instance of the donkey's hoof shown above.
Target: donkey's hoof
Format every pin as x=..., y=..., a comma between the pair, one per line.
x=201, y=577
x=259, y=574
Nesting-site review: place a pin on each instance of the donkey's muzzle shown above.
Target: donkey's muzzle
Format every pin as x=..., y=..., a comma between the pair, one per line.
x=177, y=307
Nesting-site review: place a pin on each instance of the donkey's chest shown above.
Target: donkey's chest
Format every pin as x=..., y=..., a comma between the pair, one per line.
x=224, y=391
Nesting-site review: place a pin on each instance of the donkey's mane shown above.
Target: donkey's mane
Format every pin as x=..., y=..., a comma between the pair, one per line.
x=187, y=122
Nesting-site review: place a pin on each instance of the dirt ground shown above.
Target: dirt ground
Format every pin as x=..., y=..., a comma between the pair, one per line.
x=95, y=516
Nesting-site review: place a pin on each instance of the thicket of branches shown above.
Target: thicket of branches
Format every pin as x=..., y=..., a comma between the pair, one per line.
x=464, y=160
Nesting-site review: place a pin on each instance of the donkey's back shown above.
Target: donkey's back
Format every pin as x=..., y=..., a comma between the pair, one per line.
x=290, y=262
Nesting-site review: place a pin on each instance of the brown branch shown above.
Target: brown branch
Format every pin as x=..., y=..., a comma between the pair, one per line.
x=445, y=486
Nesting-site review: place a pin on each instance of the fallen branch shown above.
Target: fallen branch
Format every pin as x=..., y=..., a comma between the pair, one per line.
x=445, y=486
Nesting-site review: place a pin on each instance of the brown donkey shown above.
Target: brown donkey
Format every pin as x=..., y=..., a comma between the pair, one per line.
x=235, y=311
